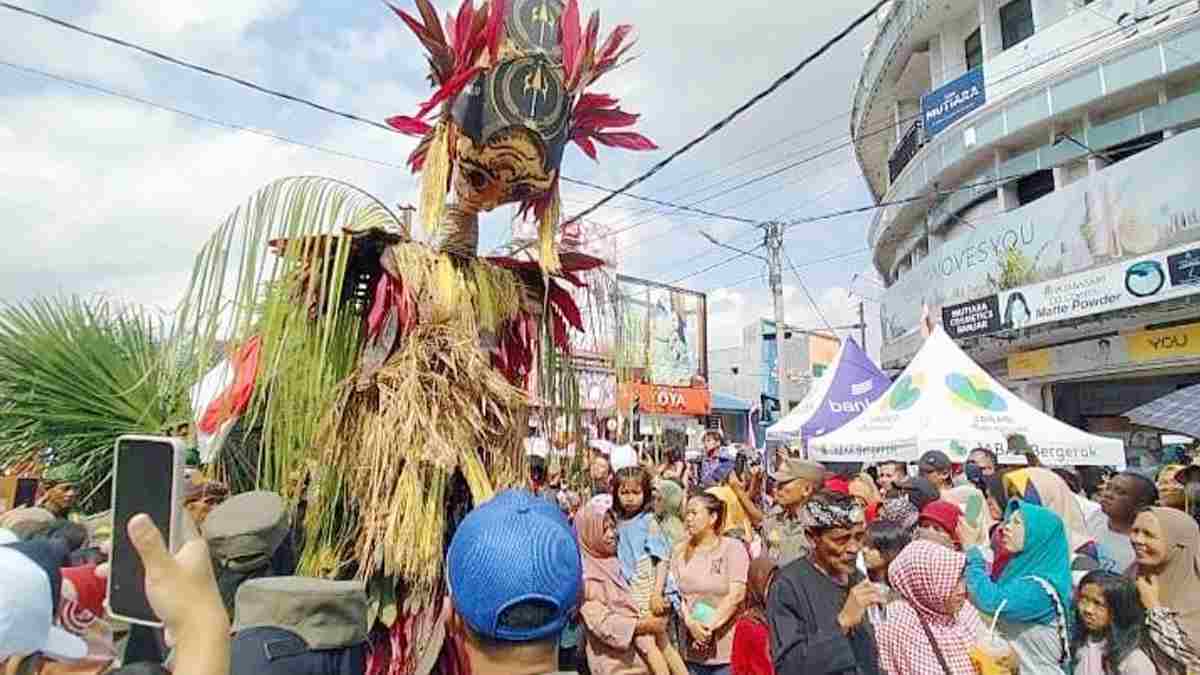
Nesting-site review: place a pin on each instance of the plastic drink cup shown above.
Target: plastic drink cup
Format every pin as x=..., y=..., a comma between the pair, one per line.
x=998, y=657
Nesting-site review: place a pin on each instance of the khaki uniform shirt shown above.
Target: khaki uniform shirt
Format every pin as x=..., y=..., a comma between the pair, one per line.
x=785, y=537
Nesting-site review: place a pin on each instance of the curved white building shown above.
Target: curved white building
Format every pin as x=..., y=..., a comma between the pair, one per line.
x=1042, y=191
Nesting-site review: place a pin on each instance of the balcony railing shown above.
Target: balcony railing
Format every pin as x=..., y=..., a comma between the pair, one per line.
x=906, y=149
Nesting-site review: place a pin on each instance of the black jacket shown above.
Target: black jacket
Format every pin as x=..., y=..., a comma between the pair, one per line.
x=802, y=608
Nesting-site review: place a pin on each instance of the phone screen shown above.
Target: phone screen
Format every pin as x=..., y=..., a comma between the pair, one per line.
x=26, y=492
x=143, y=483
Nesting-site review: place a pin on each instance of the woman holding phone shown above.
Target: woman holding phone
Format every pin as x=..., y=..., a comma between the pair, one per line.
x=711, y=572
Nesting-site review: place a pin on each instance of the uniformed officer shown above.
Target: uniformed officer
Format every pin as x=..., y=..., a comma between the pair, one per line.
x=795, y=482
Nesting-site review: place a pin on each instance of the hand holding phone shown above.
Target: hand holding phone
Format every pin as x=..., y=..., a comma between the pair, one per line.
x=147, y=479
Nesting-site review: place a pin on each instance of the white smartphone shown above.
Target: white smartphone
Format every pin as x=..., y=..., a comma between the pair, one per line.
x=147, y=478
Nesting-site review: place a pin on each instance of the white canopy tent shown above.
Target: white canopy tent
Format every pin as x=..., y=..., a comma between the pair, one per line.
x=945, y=401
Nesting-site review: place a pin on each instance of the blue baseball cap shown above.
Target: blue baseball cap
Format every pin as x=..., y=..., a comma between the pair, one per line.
x=512, y=550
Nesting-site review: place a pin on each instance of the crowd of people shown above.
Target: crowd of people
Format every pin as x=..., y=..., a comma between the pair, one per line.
x=725, y=566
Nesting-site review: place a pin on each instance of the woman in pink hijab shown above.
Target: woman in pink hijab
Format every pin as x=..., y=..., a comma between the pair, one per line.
x=609, y=617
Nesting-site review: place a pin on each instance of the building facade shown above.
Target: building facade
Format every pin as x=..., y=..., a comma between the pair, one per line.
x=750, y=370
x=1037, y=174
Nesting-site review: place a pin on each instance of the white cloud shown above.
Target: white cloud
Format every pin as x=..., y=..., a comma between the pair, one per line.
x=131, y=227
x=105, y=195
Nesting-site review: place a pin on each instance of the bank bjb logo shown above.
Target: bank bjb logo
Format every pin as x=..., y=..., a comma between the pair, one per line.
x=857, y=406
x=905, y=393
x=973, y=392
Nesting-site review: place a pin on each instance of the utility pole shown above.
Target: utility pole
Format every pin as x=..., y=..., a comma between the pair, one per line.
x=774, y=242
x=862, y=325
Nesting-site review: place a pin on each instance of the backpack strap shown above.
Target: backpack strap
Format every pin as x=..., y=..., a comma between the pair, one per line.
x=1060, y=617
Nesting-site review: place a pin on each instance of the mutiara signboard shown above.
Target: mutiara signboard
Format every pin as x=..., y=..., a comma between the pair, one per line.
x=952, y=101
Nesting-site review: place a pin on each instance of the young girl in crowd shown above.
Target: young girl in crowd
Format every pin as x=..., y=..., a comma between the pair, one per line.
x=752, y=634
x=643, y=552
x=1109, y=634
x=885, y=540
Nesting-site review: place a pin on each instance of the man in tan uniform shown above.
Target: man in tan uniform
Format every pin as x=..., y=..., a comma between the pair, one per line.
x=795, y=482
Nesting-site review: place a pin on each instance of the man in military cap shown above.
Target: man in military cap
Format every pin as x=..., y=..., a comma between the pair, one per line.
x=248, y=538
x=299, y=626
x=795, y=482
x=61, y=489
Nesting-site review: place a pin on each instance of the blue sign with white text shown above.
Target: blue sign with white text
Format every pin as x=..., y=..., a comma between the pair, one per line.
x=952, y=101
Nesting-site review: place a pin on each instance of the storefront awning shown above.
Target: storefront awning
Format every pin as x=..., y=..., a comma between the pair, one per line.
x=1178, y=412
x=726, y=402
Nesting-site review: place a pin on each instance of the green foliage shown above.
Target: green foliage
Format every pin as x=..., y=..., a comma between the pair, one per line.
x=1016, y=269
x=76, y=373
x=299, y=298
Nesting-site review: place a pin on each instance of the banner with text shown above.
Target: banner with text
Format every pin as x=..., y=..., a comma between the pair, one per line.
x=952, y=101
x=1120, y=286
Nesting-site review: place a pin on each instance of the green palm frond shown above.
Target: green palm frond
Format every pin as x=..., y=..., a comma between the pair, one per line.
x=76, y=373
x=242, y=287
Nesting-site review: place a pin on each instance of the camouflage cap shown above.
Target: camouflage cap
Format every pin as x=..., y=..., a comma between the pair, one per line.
x=243, y=532
x=67, y=472
x=327, y=614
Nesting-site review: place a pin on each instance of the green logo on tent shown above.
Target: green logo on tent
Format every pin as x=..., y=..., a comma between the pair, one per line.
x=905, y=393
x=974, y=393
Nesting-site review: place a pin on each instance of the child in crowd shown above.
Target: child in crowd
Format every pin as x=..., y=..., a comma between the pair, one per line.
x=644, y=552
x=1109, y=638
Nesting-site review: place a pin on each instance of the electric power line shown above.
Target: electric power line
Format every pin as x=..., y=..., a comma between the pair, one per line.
x=804, y=287
x=357, y=118
x=710, y=214
x=737, y=112
x=195, y=116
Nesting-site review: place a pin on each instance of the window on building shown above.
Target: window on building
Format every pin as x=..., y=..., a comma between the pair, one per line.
x=973, y=46
x=1034, y=186
x=1130, y=148
x=1016, y=22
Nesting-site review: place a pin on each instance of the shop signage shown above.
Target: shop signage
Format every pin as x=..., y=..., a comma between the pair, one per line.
x=664, y=400
x=1107, y=354
x=976, y=317
x=1026, y=365
x=1127, y=284
x=1184, y=268
x=952, y=101
x=1165, y=343
x=1144, y=205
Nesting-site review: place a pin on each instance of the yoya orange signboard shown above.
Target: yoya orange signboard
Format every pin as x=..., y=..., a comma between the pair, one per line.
x=657, y=399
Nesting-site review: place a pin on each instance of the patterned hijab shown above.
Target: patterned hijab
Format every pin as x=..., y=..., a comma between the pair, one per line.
x=899, y=511
x=925, y=575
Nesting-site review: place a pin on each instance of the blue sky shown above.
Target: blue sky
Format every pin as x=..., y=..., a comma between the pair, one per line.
x=105, y=195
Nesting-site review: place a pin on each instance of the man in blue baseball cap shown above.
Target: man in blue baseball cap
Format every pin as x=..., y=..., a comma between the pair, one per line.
x=514, y=574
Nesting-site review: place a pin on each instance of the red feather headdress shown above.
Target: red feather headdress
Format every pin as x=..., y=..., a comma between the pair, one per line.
x=470, y=42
